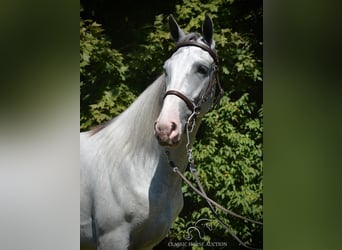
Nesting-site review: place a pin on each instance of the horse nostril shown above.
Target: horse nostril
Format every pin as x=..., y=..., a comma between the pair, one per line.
x=173, y=126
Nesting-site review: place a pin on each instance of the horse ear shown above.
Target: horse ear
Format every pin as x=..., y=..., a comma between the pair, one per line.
x=207, y=30
x=175, y=31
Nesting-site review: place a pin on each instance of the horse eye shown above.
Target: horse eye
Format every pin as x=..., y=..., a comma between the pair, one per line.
x=202, y=69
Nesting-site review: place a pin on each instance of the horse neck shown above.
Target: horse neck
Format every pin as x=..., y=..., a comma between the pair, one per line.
x=132, y=132
x=130, y=136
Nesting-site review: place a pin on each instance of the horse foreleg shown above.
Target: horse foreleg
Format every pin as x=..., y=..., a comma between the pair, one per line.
x=117, y=239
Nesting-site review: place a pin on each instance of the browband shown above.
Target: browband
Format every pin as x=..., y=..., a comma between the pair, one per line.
x=200, y=45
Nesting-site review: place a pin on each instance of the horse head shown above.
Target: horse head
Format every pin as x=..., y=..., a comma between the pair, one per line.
x=191, y=80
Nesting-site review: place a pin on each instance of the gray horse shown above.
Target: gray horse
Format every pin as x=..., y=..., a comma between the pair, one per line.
x=129, y=194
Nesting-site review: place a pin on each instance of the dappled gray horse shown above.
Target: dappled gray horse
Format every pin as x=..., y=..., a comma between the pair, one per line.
x=129, y=194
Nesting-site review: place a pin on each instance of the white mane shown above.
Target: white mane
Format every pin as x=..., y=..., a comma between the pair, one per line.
x=132, y=130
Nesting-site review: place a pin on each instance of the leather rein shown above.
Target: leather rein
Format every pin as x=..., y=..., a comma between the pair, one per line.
x=211, y=203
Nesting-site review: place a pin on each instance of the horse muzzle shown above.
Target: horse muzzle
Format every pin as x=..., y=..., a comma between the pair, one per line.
x=167, y=133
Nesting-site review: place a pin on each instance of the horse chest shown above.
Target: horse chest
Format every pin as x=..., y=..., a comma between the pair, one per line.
x=150, y=205
x=150, y=226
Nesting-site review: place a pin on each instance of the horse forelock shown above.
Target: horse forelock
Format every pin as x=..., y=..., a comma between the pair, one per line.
x=190, y=37
x=195, y=37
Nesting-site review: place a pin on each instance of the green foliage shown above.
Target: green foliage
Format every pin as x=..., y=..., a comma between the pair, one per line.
x=240, y=67
x=102, y=72
x=112, y=103
x=228, y=150
x=145, y=62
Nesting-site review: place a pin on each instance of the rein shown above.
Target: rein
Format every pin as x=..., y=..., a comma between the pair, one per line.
x=201, y=191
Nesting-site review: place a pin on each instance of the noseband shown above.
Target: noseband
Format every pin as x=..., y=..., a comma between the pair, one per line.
x=195, y=107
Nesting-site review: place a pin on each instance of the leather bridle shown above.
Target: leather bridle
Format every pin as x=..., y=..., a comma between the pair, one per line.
x=195, y=106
